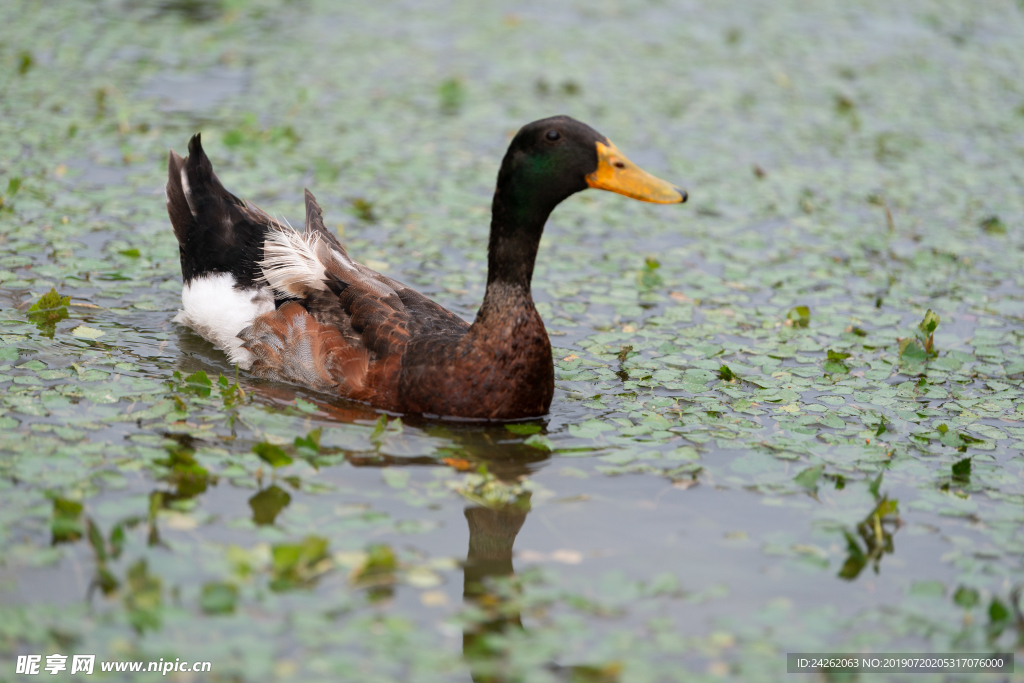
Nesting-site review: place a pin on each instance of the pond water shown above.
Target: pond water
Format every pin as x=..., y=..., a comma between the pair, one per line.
x=761, y=442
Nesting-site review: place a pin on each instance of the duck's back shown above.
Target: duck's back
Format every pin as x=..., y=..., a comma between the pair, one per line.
x=295, y=308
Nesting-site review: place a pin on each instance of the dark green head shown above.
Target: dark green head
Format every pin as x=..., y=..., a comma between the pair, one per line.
x=551, y=159
x=547, y=161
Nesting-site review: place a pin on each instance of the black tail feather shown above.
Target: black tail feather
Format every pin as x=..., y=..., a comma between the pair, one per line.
x=216, y=231
x=177, y=205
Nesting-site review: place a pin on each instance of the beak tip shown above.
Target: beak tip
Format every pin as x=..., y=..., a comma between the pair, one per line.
x=683, y=194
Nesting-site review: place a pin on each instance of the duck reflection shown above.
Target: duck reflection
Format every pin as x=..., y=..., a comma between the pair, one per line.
x=494, y=521
x=492, y=533
x=493, y=528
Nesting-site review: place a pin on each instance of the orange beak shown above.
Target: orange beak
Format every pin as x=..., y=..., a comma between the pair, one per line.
x=616, y=173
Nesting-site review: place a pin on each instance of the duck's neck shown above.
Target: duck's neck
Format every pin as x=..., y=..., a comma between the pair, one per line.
x=516, y=229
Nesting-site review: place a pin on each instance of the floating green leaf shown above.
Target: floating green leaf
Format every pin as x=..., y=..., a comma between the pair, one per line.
x=648, y=277
x=84, y=332
x=379, y=565
x=363, y=209
x=198, y=383
x=272, y=454
x=993, y=226
x=143, y=599
x=218, y=598
x=962, y=471
x=452, y=94
x=310, y=442
x=966, y=597
x=539, y=441
x=49, y=310
x=299, y=564
x=268, y=504
x=809, y=477
x=66, y=526
x=834, y=364
x=523, y=429
x=799, y=316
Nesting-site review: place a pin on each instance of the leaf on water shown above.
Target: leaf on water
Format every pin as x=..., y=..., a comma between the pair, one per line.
x=66, y=525
x=928, y=589
x=185, y=473
x=875, y=485
x=967, y=598
x=523, y=429
x=929, y=324
x=298, y=564
x=539, y=441
x=682, y=453
x=648, y=277
x=271, y=454
x=809, y=477
x=625, y=351
x=311, y=441
x=379, y=428
x=855, y=559
x=268, y=504
x=993, y=225
x=305, y=406
x=799, y=316
x=912, y=354
x=84, y=332
x=395, y=478
x=96, y=541
x=143, y=599
x=218, y=598
x=962, y=471
x=726, y=374
x=486, y=490
x=915, y=352
x=49, y=310
x=363, y=209
x=198, y=383
x=230, y=393
x=997, y=611
x=452, y=94
x=378, y=567
x=130, y=253
x=25, y=62
x=835, y=365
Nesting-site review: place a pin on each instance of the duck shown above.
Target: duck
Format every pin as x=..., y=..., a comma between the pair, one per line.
x=294, y=307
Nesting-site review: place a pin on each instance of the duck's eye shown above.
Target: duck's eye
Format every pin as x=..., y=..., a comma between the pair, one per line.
x=553, y=135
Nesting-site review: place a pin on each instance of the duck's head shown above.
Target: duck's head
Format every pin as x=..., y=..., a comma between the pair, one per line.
x=551, y=159
x=547, y=161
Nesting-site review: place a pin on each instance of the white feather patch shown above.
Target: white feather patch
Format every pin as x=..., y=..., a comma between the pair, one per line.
x=290, y=263
x=217, y=311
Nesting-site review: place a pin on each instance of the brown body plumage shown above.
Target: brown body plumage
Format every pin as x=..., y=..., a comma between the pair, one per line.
x=337, y=326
